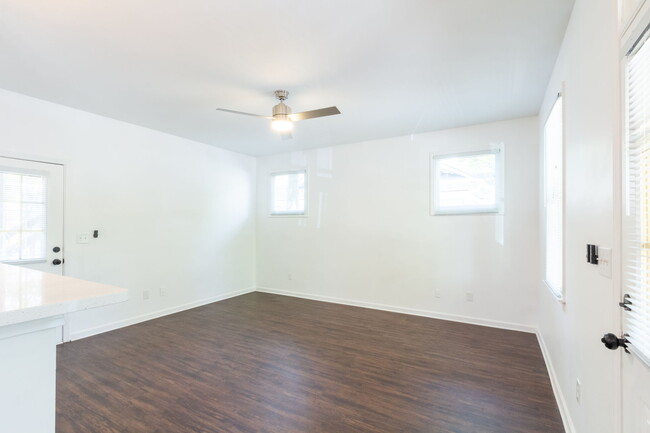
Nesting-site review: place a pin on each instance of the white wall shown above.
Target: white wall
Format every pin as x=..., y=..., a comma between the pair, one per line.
x=170, y=212
x=587, y=63
x=369, y=238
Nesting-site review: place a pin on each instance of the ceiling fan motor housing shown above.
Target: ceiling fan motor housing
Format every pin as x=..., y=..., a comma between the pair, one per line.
x=281, y=111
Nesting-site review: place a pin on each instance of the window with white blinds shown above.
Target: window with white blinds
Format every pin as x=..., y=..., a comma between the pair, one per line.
x=554, y=199
x=22, y=217
x=637, y=231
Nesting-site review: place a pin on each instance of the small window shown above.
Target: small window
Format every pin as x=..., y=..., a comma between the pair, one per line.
x=22, y=217
x=553, y=200
x=289, y=193
x=465, y=183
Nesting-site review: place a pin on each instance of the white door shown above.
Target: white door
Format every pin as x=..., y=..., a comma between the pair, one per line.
x=31, y=214
x=636, y=395
x=635, y=213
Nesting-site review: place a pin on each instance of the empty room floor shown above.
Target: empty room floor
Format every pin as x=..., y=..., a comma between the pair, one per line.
x=276, y=364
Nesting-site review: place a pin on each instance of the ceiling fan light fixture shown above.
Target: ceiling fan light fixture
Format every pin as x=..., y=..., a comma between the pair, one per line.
x=282, y=117
x=282, y=125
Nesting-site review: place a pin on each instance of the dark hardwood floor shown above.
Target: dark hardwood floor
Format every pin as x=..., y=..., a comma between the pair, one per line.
x=274, y=364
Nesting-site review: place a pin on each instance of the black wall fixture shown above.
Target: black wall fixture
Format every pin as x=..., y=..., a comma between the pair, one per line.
x=592, y=254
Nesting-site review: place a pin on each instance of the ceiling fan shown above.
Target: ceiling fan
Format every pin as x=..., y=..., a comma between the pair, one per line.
x=282, y=119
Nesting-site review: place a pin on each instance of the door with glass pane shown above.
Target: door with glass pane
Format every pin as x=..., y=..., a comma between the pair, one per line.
x=31, y=214
x=635, y=302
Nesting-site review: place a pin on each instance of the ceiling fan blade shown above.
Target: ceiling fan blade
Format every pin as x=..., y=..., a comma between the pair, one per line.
x=286, y=135
x=245, y=114
x=321, y=112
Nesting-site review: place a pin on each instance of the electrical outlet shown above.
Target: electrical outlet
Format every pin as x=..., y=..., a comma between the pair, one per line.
x=145, y=294
x=437, y=293
x=469, y=296
x=578, y=391
x=163, y=292
x=83, y=238
x=289, y=276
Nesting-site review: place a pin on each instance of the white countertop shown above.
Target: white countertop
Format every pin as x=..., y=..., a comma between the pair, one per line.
x=26, y=294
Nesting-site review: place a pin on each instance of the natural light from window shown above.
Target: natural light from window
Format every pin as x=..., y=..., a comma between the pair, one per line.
x=636, y=239
x=288, y=193
x=465, y=183
x=554, y=201
x=22, y=217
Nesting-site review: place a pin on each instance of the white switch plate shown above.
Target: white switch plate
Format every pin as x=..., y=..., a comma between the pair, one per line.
x=83, y=238
x=605, y=262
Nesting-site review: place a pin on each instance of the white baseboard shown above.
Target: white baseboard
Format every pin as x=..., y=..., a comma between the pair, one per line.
x=155, y=314
x=404, y=310
x=557, y=390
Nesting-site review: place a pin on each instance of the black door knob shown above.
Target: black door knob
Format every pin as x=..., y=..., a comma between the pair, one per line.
x=612, y=342
x=56, y=262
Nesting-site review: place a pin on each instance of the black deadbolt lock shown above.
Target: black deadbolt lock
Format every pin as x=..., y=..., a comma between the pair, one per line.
x=56, y=249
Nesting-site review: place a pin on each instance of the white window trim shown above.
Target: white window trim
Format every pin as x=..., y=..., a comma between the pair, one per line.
x=272, y=214
x=560, y=295
x=468, y=210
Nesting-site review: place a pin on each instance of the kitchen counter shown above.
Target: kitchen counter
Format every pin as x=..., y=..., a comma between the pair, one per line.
x=27, y=295
x=32, y=308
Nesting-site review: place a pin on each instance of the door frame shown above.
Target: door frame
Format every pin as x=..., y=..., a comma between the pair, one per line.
x=618, y=194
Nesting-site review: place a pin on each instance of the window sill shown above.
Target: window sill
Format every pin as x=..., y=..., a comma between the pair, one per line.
x=491, y=211
x=559, y=297
x=287, y=215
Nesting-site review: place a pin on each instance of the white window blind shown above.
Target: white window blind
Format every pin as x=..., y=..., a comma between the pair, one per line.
x=554, y=202
x=288, y=193
x=22, y=217
x=637, y=235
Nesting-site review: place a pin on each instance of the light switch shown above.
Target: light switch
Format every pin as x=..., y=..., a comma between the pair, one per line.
x=83, y=238
x=605, y=262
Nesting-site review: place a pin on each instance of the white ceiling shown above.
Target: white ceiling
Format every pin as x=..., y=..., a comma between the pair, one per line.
x=393, y=67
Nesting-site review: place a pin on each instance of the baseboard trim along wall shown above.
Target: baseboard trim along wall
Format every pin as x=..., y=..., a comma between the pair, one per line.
x=156, y=314
x=404, y=310
x=557, y=390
